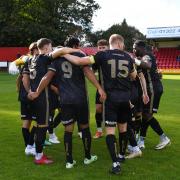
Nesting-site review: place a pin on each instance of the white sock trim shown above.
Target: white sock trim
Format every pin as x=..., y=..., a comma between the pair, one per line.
x=99, y=129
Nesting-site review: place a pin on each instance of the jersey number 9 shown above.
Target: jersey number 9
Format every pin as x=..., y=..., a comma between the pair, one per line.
x=67, y=69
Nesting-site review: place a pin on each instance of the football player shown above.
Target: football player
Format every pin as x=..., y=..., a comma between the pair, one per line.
x=155, y=91
x=102, y=45
x=25, y=104
x=33, y=73
x=74, y=102
x=117, y=70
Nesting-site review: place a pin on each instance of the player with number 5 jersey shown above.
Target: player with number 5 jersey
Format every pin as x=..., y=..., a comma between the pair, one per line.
x=33, y=72
x=73, y=99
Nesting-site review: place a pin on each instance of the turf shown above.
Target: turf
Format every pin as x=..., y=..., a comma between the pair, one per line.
x=164, y=164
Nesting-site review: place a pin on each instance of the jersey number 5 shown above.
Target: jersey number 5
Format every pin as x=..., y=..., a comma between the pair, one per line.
x=122, y=67
x=67, y=69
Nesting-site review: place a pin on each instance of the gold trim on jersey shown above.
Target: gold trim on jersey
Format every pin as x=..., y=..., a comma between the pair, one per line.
x=47, y=110
x=42, y=126
x=87, y=97
x=47, y=105
x=151, y=91
x=103, y=104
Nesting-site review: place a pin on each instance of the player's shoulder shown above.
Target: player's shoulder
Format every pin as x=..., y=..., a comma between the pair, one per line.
x=124, y=55
x=128, y=55
x=44, y=59
x=102, y=54
x=79, y=54
x=45, y=56
x=99, y=56
x=148, y=57
x=118, y=52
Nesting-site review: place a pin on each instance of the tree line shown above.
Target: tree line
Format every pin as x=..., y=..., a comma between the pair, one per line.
x=25, y=21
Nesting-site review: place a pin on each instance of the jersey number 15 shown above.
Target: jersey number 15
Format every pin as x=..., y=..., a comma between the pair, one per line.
x=122, y=68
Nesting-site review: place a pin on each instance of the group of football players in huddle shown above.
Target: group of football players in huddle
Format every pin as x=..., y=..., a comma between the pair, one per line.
x=129, y=90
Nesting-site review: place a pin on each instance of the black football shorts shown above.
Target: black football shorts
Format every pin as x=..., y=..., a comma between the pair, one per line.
x=117, y=112
x=155, y=96
x=75, y=112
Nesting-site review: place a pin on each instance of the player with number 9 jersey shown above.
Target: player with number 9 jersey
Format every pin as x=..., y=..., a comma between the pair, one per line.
x=117, y=69
x=71, y=81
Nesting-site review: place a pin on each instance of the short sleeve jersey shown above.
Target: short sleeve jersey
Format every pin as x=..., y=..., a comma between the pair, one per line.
x=37, y=68
x=115, y=66
x=70, y=80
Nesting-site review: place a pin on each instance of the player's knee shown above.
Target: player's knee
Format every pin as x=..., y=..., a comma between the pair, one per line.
x=99, y=108
x=69, y=128
x=84, y=126
x=138, y=114
x=110, y=130
x=122, y=127
x=138, y=118
x=147, y=116
x=26, y=124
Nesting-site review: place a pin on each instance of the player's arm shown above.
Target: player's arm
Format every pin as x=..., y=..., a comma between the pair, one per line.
x=25, y=77
x=133, y=75
x=144, y=87
x=21, y=60
x=133, y=71
x=45, y=81
x=18, y=62
x=26, y=82
x=54, y=89
x=79, y=60
x=42, y=85
x=144, y=64
x=62, y=51
x=18, y=81
x=92, y=78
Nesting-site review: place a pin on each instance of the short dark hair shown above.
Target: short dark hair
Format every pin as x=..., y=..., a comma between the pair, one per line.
x=102, y=42
x=140, y=43
x=42, y=42
x=71, y=42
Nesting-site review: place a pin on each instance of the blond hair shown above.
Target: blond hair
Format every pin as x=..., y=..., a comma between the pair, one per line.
x=115, y=38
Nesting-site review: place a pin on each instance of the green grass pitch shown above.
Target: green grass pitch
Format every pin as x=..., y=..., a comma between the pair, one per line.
x=164, y=164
